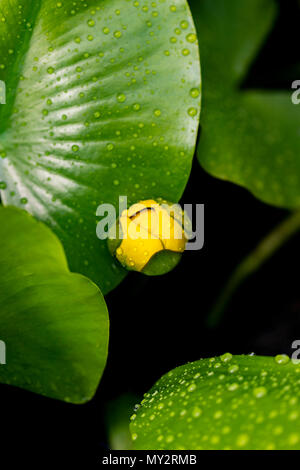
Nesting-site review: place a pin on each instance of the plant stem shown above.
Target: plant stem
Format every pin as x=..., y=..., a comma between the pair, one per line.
x=264, y=250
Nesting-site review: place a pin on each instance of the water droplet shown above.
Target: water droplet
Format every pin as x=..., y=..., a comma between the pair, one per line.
x=184, y=24
x=293, y=439
x=242, y=440
x=192, y=112
x=121, y=97
x=259, y=392
x=194, y=92
x=136, y=107
x=218, y=414
x=191, y=37
x=226, y=357
x=196, y=412
x=232, y=369
x=233, y=387
x=282, y=359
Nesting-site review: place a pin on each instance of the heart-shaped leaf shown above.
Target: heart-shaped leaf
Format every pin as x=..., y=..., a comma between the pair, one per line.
x=231, y=402
x=54, y=323
x=103, y=99
x=248, y=137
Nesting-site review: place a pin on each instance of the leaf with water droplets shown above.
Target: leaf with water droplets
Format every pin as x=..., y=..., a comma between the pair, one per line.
x=98, y=105
x=54, y=323
x=227, y=402
x=249, y=137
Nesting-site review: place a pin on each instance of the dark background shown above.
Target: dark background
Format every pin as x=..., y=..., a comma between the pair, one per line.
x=159, y=323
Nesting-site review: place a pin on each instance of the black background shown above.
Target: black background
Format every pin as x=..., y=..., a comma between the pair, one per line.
x=159, y=323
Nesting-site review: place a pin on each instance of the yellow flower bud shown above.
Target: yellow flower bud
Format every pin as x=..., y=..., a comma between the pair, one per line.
x=151, y=237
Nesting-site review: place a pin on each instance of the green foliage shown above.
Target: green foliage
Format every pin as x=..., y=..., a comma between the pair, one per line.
x=54, y=323
x=162, y=263
x=103, y=99
x=230, y=402
x=248, y=137
x=117, y=415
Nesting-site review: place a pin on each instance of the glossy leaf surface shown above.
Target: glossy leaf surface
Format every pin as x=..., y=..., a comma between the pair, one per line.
x=54, y=323
x=230, y=402
x=249, y=137
x=103, y=100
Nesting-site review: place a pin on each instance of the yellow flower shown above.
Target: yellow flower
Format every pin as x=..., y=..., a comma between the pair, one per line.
x=148, y=228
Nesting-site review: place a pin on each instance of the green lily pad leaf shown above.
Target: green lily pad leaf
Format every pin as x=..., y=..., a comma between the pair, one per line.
x=54, y=323
x=99, y=104
x=249, y=137
x=229, y=402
